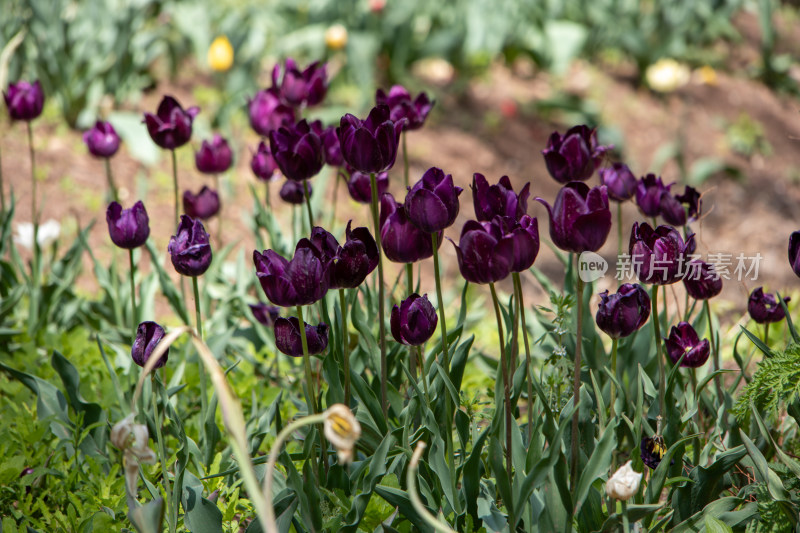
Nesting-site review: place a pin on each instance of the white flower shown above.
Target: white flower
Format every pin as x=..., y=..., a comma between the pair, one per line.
x=336, y=37
x=132, y=440
x=666, y=75
x=48, y=233
x=624, y=483
x=342, y=430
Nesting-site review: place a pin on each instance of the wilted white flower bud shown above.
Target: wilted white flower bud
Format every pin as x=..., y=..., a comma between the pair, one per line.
x=624, y=483
x=132, y=440
x=342, y=430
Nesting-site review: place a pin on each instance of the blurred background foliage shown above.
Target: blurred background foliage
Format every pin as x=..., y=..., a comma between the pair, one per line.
x=84, y=50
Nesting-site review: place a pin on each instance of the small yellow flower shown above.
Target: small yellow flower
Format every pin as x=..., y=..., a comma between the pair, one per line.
x=220, y=54
x=707, y=75
x=342, y=430
x=336, y=37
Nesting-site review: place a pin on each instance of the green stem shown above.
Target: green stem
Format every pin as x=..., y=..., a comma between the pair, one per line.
x=529, y=369
x=175, y=185
x=311, y=396
x=162, y=454
x=219, y=213
x=34, y=298
x=766, y=334
x=203, y=391
x=112, y=188
x=409, y=291
x=345, y=350
x=619, y=233
x=267, y=200
x=133, y=292
x=662, y=378
x=420, y=352
x=576, y=384
x=2, y=187
x=715, y=351
x=625, y=522
x=612, y=411
x=416, y=501
x=381, y=311
x=308, y=205
x=506, y=385
x=405, y=159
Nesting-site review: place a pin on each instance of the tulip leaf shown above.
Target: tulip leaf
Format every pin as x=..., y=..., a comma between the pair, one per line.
x=659, y=475
x=636, y=512
x=149, y=517
x=598, y=463
x=92, y=413
x=400, y=499
x=201, y=515
x=50, y=401
x=789, y=322
x=721, y=509
x=763, y=472
x=758, y=342
x=501, y=476
x=788, y=461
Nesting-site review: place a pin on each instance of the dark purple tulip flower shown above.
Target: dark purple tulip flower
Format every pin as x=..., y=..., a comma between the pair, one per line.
x=352, y=262
x=794, y=252
x=672, y=210
x=401, y=239
x=370, y=145
x=524, y=235
x=580, y=219
x=619, y=180
x=691, y=199
x=620, y=314
x=333, y=152
x=765, y=308
x=657, y=254
x=190, y=249
x=265, y=314
x=102, y=140
x=203, y=205
x=288, y=341
x=573, y=156
x=298, y=88
x=498, y=200
x=302, y=280
x=485, y=254
x=683, y=339
x=649, y=191
x=414, y=321
x=148, y=335
x=214, y=157
x=360, y=188
x=262, y=164
x=171, y=126
x=652, y=450
x=432, y=203
x=128, y=228
x=24, y=100
x=701, y=280
x=403, y=107
x=268, y=113
x=297, y=150
x=292, y=192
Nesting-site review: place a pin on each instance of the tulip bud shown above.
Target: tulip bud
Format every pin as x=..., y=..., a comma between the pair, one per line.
x=190, y=248
x=297, y=150
x=171, y=126
x=102, y=140
x=683, y=339
x=649, y=191
x=203, y=205
x=214, y=157
x=580, y=219
x=401, y=239
x=288, y=341
x=432, y=203
x=624, y=483
x=302, y=281
x=622, y=313
x=485, y=254
x=266, y=315
x=267, y=112
x=573, y=156
x=355, y=260
x=414, y=321
x=765, y=308
x=262, y=164
x=498, y=200
x=360, y=187
x=370, y=145
x=293, y=192
x=333, y=151
x=220, y=54
x=148, y=335
x=128, y=228
x=401, y=106
x=794, y=252
x=24, y=100
x=619, y=180
x=298, y=88
x=701, y=280
x=657, y=254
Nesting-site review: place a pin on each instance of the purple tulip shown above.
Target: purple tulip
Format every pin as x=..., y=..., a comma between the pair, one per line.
x=297, y=150
x=652, y=450
x=401, y=239
x=262, y=164
x=268, y=113
x=203, y=205
x=171, y=126
x=657, y=255
x=794, y=252
x=414, y=321
x=298, y=88
x=765, y=308
x=302, y=281
x=619, y=180
x=672, y=211
x=333, y=151
x=649, y=191
x=498, y=200
x=128, y=228
x=190, y=249
x=214, y=157
x=24, y=100
x=691, y=199
x=485, y=254
x=102, y=140
x=620, y=314
x=403, y=107
x=265, y=314
x=701, y=280
x=293, y=192
x=580, y=219
x=351, y=263
x=573, y=156
x=683, y=339
x=370, y=145
x=360, y=188
x=148, y=335
x=432, y=203
x=524, y=235
x=288, y=341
